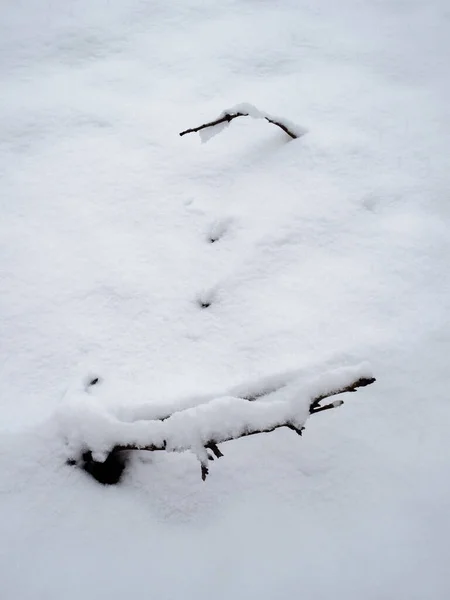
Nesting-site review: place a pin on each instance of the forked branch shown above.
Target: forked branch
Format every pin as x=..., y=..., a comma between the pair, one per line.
x=110, y=470
x=315, y=407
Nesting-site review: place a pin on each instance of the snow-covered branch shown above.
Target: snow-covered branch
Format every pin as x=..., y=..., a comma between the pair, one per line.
x=243, y=110
x=100, y=441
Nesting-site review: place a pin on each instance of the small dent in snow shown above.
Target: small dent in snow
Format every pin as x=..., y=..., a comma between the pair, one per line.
x=218, y=230
x=370, y=203
x=205, y=299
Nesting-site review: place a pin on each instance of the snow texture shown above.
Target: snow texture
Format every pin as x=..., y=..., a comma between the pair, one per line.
x=328, y=250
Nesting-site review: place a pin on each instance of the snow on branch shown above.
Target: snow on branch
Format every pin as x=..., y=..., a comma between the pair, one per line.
x=209, y=130
x=98, y=441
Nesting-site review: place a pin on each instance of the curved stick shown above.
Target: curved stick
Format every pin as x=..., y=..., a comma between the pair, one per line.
x=227, y=117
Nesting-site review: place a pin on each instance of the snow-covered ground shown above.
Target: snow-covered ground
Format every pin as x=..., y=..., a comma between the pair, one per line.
x=328, y=250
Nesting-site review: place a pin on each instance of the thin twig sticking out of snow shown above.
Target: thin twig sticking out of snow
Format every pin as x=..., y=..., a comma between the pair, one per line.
x=247, y=110
x=315, y=407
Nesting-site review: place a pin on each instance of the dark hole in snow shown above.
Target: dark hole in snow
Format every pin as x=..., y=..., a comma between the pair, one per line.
x=94, y=381
x=108, y=472
x=213, y=240
x=204, y=304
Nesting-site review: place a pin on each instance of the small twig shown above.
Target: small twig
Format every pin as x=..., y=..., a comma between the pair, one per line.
x=298, y=431
x=204, y=471
x=362, y=382
x=283, y=127
x=327, y=407
x=214, y=449
x=227, y=117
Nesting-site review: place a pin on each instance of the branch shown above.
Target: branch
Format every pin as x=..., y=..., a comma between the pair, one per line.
x=352, y=387
x=214, y=449
x=247, y=110
x=226, y=118
x=314, y=408
x=111, y=470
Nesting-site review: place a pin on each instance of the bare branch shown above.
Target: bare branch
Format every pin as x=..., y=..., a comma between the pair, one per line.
x=228, y=117
x=353, y=387
x=204, y=471
x=334, y=404
x=283, y=127
x=214, y=449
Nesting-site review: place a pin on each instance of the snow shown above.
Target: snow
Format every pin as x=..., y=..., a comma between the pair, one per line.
x=331, y=249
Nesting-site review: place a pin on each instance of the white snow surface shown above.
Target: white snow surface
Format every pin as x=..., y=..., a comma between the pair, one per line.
x=313, y=254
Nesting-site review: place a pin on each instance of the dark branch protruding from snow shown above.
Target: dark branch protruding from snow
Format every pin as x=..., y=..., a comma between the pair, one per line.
x=204, y=471
x=353, y=387
x=247, y=110
x=226, y=118
x=214, y=449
